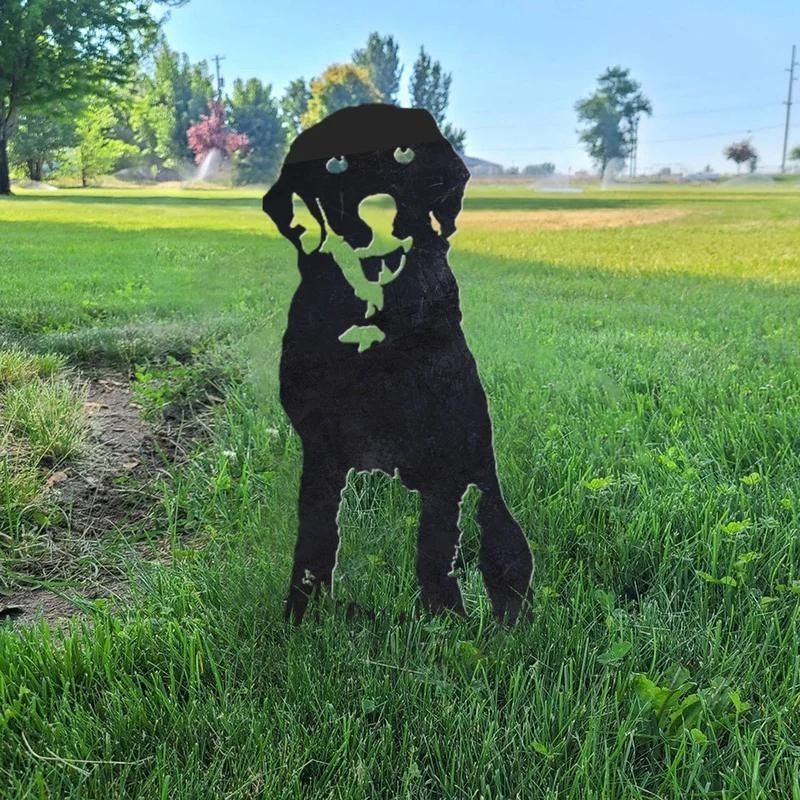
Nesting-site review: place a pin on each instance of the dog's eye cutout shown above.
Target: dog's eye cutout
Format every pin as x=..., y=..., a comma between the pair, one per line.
x=404, y=155
x=336, y=166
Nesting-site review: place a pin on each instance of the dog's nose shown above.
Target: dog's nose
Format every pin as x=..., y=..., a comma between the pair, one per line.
x=359, y=238
x=354, y=231
x=344, y=218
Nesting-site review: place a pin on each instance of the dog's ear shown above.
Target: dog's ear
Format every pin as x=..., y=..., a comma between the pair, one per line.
x=278, y=204
x=446, y=206
x=445, y=210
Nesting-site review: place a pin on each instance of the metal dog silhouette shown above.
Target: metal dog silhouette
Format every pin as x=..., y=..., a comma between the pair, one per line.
x=375, y=371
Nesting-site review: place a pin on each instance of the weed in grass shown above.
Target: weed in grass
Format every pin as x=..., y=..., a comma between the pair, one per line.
x=170, y=388
x=681, y=707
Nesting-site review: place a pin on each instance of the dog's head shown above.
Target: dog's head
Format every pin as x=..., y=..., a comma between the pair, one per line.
x=370, y=150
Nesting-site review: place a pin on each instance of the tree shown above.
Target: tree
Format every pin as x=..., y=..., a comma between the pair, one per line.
x=254, y=112
x=42, y=135
x=97, y=151
x=212, y=133
x=379, y=56
x=742, y=152
x=340, y=86
x=603, y=138
x=539, y=170
x=611, y=115
x=430, y=86
x=169, y=99
x=430, y=89
x=55, y=50
x=795, y=154
x=294, y=105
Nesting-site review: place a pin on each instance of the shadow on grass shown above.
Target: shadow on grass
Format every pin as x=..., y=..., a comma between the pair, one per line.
x=531, y=202
x=537, y=202
x=566, y=203
x=145, y=199
x=192, y=300
x=473, y=201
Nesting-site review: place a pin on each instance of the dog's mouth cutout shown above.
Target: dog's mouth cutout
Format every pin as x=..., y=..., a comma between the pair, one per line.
x=375, y=266
x=367, y=269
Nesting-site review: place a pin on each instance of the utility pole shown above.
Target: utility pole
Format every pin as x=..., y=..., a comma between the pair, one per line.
x=792, y=64
x=634, y=147
x=220, y=79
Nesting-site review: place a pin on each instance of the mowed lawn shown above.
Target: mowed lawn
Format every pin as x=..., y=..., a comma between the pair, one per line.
x=641, y=353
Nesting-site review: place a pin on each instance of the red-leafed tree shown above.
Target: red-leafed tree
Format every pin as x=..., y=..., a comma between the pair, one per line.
x=211, y=133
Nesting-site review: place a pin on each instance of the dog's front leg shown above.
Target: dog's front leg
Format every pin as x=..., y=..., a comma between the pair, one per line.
x=317, y=536
x=506, y=561
x=437, y=546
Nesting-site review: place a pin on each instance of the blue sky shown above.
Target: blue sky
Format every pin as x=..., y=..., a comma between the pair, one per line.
x=714, y=69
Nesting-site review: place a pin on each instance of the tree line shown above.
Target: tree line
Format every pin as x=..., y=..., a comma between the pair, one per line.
x=92, y=87
x=610, y=123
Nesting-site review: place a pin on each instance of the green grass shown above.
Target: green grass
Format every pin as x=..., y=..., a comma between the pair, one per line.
x=644, y=382
x=17, y=366
x=49, y=416
x=42, y=423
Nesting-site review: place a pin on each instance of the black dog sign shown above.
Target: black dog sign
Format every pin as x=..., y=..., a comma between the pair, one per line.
x=375, y=371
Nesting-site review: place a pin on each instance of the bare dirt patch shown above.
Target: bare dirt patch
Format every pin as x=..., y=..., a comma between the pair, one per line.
x=508, y=221
x=100, y=490
x=30, y=605
x=110, y=489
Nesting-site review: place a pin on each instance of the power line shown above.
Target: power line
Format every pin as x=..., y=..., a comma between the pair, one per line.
x=792, y=64
x=702, y=111
x=714, y=135
x=651, y=141
x=669, y=114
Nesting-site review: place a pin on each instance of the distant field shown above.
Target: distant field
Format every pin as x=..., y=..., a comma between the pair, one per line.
x=641, y=352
